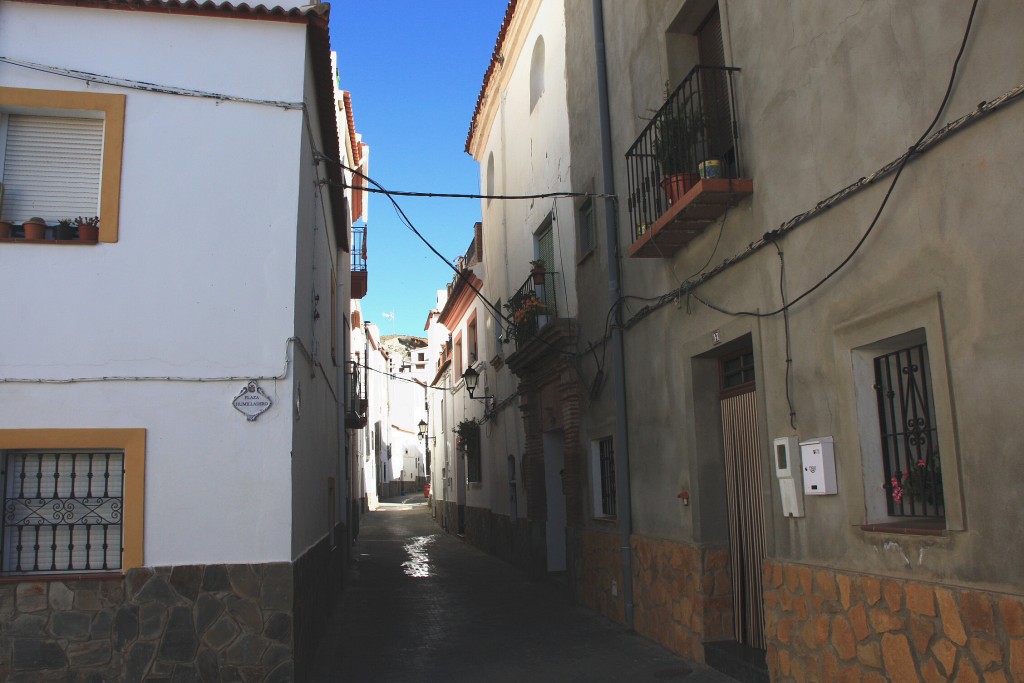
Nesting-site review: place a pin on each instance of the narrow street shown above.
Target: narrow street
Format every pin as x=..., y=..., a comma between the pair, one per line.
x=422, y=605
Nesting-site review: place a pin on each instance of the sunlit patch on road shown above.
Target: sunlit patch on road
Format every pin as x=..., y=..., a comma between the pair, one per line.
x=418, y=564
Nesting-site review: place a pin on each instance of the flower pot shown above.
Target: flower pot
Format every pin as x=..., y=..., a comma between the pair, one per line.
x=538, y=276
x=34, y=230
x=65, y=232
x=678, y=184
x=6, y=228
x=88, y=233
x=711, y=168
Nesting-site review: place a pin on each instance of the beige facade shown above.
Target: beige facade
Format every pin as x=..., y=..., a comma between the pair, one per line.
x=822, y=99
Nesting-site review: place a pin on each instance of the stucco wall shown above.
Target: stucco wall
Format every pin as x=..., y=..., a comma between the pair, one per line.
x=200, y=283
x=824, y=98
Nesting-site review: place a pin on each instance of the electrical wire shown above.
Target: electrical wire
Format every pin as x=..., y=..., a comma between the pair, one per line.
x=459, y=273
x=983, y=109
x=885, y=199
x=455, y=195
x=143, y=85
x=789, y=347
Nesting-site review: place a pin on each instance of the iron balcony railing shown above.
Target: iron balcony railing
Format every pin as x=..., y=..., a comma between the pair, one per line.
x=696, y=127
x=358, y=248
x=355, y=397
x=532, y=306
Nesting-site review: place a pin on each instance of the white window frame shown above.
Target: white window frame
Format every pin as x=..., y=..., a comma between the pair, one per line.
x=857, y=343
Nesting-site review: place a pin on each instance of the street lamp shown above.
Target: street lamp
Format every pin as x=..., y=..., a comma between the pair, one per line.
x=472, y=378
x=421, y=430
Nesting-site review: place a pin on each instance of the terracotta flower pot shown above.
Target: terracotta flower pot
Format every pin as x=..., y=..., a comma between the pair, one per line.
x=35, y=230
x=538, y=276
x=678, y=184
x=88, y=233
x=6, y=228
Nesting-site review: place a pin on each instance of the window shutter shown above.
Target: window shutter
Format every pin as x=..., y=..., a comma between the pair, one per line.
x=52, y=167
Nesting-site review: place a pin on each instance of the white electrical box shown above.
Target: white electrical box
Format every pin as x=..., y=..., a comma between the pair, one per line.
x=819, y=461
x=788, y=474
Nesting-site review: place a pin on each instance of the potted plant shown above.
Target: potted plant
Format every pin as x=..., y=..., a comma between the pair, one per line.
x=537, y=271
x=6, y=228
x=88, y=228
x=464, y=430
x=65, y=231
x=35, y=228
x=525, y=312
x=676, y=134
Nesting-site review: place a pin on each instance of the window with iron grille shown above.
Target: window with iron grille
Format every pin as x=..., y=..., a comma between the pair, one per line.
x=471, y=449
x=603, y=477
x=910, y=448
x=62, y=511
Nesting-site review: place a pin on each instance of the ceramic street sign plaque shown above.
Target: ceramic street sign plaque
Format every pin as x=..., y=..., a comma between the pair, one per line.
x=252, y=402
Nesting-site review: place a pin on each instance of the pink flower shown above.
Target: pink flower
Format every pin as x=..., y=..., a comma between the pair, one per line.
x=920, y=463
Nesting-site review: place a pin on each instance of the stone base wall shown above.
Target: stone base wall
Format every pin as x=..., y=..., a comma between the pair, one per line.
x=186, y=623
x=520, y=542
x=824, y=625
x=318, y=577
x=600, y=565
x=682, y=594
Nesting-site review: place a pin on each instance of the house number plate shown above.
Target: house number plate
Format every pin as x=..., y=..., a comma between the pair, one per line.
x=252, y=402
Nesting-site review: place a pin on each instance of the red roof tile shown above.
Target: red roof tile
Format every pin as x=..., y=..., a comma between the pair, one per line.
x=496, y=60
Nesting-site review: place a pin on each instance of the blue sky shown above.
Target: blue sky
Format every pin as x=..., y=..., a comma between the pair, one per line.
x=414, y=69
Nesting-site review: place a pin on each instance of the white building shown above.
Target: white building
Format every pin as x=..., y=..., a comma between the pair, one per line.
x=220, y=266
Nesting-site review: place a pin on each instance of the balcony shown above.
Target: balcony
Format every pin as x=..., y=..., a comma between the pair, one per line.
x=355, y=396
x=685, y=170
x=532, y=307
x=359, y=278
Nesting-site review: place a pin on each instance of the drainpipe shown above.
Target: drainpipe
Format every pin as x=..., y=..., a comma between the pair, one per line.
x=624, y=508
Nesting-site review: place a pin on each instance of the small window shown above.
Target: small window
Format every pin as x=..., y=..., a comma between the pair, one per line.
x=62, y=511
x=537, y=72
x=470, y=444
x=738, y=371
x=471, y=340
x=489, y=181
x=909, y=436
x=457, y=357
x=603, y=477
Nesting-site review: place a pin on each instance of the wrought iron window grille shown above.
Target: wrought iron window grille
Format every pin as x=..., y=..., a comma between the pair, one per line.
x=910, y=448
x=62, y=511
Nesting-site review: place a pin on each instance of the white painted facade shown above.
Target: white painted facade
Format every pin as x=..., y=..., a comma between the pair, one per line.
x=524, y=149
x=222, y=251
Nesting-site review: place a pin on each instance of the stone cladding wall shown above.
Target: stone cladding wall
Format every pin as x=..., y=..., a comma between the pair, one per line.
x=189, y=623
x=682, y=594
x=601, y=563
x=824, y=625
x=520, y=542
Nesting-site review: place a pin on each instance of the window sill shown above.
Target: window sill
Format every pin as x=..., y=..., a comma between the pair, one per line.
x=25, y=240
x=585, y=257
x=917, y=527
x=78, y=576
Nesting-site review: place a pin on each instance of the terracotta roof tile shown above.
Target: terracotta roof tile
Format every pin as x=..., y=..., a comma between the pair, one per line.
x=496, y=60
x=241, y=11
